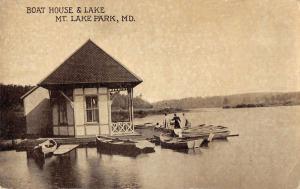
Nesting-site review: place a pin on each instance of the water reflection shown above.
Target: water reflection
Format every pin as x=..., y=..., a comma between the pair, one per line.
x=109, y=171
x=112, y=152
x=57, y=172
x=85, y=168
x=39, y=161
x=195, y=151
x=63, y=172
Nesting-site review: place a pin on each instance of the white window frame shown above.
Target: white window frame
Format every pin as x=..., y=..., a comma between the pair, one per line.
x=92, y=109
x=62, y=113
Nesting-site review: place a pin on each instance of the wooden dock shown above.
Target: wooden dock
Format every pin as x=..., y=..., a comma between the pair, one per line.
x=125, y=137
x=29, y=144
x=64, y=149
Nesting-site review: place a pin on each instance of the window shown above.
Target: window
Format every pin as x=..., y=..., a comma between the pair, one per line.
x=92, y=112
x=62, y=113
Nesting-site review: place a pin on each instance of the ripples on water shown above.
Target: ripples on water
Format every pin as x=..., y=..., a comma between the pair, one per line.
x=265, y=155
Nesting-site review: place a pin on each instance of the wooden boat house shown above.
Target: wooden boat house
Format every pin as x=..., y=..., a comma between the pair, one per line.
x=81, y=90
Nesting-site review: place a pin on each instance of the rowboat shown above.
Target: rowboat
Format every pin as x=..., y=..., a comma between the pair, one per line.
x=176, y=143
x=123, y=147
x=45, y=149
x=202, y=131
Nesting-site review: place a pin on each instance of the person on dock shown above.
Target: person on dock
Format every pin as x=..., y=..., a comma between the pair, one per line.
x=177, y=121
x=166, y=122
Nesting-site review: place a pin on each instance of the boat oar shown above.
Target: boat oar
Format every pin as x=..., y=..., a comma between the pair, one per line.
x=233, y=135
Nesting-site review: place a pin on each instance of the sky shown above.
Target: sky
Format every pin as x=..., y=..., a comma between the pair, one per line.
x=180, y=48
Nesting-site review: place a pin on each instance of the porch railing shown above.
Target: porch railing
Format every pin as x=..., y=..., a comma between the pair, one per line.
x=122, y=128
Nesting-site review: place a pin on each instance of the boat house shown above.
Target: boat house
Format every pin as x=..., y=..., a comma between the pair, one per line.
x=81, y=91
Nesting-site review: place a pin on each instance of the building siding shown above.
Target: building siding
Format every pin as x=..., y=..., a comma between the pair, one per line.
x=83, y=128
x=37, y=111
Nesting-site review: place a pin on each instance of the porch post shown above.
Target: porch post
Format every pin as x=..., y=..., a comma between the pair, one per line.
x=131, y=106
x=109, y=102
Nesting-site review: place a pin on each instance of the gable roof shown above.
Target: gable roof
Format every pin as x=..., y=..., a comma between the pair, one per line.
x=90, y=65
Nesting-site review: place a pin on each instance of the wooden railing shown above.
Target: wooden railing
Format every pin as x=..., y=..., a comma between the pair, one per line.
x=122, y=128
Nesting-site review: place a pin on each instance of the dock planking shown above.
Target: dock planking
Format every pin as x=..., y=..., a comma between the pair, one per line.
x=63, y=149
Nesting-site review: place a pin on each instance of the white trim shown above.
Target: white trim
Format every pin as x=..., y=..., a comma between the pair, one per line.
x=64, y=95
x=29, y=92
x=74, y=117
x=92, y=109
x=109, y=112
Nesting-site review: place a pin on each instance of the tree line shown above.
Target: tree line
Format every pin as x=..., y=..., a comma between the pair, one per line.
x=234, y=101
x=12, y=121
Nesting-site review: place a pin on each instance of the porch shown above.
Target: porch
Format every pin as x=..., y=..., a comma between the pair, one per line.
x=93, y=111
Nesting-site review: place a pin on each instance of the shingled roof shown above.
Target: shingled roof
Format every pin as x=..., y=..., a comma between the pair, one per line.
x=91, y=65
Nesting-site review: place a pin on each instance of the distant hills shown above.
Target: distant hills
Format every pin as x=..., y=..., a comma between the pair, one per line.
x=233, y=101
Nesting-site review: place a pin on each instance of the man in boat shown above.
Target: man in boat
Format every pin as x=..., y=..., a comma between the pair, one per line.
x=177, y=121
x=177, y=130
x=166, y=122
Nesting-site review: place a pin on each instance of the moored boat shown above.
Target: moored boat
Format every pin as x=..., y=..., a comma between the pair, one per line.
x=176, y=143
x=45, y=149
x=202, y=131
x=123, y=146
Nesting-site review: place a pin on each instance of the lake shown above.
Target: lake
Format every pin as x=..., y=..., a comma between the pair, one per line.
x=265, y=155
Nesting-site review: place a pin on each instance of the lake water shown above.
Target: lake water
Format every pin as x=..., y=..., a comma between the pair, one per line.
x=265, y=155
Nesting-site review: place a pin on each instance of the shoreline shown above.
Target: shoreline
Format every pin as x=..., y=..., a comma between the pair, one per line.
x=141, y=113
x=256, y=106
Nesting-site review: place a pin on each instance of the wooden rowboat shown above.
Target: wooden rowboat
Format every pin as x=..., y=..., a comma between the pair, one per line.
x=219, y=132
x=175, y=143
x=123, y=147
x=45, y=149
x=202, y=131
